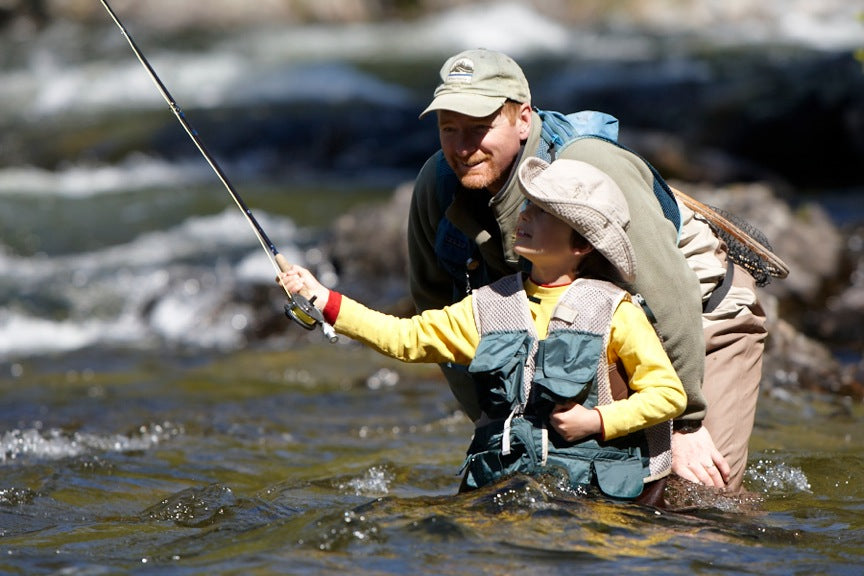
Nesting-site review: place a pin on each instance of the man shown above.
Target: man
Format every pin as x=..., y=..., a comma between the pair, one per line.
x=460, y=236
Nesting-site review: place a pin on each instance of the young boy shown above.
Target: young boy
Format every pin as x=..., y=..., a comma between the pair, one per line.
x=570, y=372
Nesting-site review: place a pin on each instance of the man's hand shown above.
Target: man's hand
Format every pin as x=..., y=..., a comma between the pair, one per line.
x=695, y=458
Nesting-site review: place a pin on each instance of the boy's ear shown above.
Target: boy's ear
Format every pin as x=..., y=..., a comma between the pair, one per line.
x=582, y=250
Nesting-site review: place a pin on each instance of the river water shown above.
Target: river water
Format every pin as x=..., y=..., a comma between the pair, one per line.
x=153, y=420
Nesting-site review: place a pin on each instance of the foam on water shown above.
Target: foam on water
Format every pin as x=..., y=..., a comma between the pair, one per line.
x=23, y=335
x=169, y=286
x=136, y=172
x=510, y=26
x=54, y=444
x=216, y=77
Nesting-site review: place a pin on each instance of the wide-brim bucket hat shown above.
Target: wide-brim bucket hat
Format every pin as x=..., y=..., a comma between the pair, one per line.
x=588, y=200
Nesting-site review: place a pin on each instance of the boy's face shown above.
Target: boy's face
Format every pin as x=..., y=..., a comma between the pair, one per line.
x=542, y=238
x=481, y=151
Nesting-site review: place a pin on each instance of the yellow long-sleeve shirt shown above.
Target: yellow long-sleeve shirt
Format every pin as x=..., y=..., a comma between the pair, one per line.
x=450, y=335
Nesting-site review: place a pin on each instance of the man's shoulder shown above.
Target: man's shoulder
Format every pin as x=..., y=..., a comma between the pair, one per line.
x=425, y=185
x=590, y=149
x=616, y=161
x=429, y=174
x=435, y=167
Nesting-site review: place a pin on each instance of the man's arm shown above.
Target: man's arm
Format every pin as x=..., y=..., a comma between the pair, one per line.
x=671, y=289
x=663, y=277
x=429, y=284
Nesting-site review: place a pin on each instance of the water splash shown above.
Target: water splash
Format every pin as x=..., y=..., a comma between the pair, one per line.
x=56, y=444
x=777, y=477
x=375, y=481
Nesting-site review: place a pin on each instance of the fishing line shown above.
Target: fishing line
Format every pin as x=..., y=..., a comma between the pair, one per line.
x=299, y=309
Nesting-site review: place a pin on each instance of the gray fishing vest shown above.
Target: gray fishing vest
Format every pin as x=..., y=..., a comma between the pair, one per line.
x=520, y=378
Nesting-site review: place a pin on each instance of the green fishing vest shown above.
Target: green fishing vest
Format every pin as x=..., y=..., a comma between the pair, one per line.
x=519, y=379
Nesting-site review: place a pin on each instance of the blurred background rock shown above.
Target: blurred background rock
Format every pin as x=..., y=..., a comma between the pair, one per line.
x=754, y=107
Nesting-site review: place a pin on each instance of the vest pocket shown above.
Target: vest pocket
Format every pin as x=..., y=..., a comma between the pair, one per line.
x=485, y=463
x=618, y=473
x=620, y=478
x=498, y=367
x=567, y=366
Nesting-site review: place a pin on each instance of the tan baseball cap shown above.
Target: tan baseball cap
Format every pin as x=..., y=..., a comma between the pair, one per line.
x=478, y=82
x=588, y=200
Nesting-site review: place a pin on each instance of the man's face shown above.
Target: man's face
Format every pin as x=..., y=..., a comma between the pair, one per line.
x=481, y=151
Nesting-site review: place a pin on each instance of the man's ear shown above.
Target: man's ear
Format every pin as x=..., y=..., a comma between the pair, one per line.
x=524, y=120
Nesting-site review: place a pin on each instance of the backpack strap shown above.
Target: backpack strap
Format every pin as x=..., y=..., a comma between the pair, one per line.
x=559, y=130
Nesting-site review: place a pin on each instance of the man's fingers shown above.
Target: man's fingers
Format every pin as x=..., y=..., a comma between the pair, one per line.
x=716, y=477
x=722, y=467
x=705, y=474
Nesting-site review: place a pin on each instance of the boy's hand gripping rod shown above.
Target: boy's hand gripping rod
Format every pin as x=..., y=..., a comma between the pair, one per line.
x=299, y=308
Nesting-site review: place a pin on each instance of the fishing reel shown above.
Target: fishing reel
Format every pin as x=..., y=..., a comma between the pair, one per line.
x=303, y=312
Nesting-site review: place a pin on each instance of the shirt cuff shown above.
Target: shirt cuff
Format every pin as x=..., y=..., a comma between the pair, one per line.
x=331, y=310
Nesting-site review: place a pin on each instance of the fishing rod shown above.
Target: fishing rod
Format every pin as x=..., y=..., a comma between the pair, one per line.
x=298, y=308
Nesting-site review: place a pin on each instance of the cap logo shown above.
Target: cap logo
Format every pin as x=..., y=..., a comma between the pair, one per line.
x=462, y=71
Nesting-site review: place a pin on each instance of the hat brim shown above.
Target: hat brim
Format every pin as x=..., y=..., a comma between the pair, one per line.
x=605, y=235
x=475, y=105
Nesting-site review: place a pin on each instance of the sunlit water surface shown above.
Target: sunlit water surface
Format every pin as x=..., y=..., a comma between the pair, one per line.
x=330, y=460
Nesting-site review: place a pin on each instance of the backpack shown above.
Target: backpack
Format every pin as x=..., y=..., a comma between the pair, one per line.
x=559, y=130
x=747, y=246
x=455, y=250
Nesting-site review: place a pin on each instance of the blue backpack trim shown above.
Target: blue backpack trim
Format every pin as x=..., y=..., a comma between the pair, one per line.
x=558, y=130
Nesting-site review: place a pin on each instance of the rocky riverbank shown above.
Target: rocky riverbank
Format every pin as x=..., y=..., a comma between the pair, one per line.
x=825, y=22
